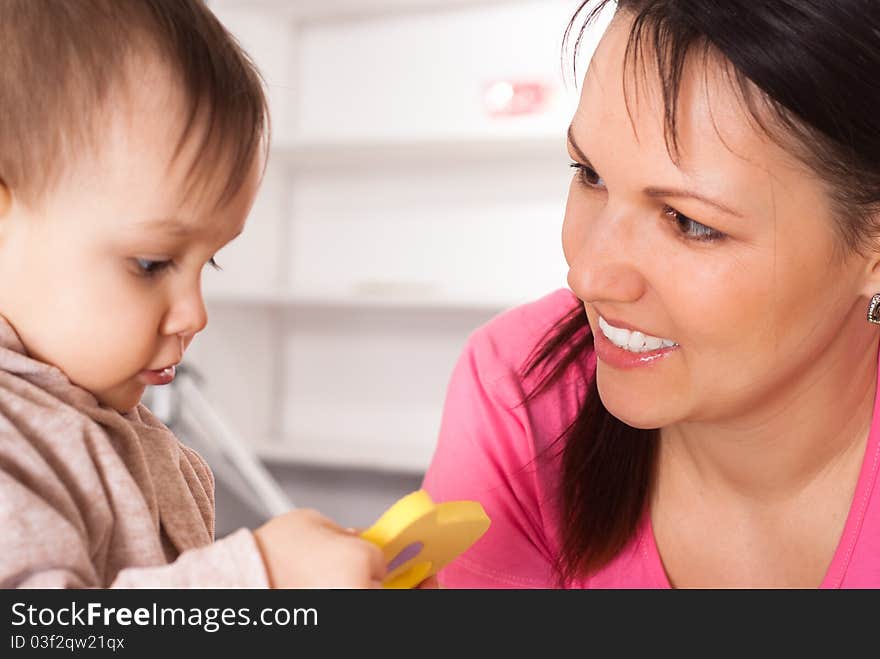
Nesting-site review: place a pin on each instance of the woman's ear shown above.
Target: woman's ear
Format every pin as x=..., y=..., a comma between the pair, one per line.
x=872, y=273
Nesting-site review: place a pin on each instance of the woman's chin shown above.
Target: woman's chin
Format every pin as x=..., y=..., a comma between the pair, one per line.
x=637, y=422
x=635, y=412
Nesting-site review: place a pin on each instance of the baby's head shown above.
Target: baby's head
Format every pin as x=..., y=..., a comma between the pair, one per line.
x=132, y=142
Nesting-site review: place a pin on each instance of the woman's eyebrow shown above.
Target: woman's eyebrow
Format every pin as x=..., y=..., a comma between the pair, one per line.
x=656, y=192
x=687, y=194
x=580, y=154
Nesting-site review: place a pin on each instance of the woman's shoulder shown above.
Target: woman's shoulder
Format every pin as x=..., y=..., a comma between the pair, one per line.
x=496, y=445
x=505, y=344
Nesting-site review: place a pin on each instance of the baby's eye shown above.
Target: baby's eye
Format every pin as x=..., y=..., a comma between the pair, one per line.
x=150, y=268
x=587, y=175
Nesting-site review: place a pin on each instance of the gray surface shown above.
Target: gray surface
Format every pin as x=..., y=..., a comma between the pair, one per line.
x=351, y=498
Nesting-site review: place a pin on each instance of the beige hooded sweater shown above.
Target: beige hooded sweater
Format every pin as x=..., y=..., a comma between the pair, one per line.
x=91, y=498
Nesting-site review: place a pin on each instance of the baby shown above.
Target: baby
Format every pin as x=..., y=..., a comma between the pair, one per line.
x=132, y=143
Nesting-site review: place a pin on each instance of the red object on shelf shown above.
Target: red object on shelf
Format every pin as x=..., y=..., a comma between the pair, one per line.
x=503, y=98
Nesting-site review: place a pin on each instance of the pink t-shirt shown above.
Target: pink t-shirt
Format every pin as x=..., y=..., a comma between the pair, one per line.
x=495, y=450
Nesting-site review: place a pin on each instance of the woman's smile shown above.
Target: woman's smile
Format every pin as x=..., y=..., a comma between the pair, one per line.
x=632, y=340
x=611, y=353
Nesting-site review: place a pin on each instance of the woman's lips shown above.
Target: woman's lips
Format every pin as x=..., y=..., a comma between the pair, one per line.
x=159, y=377
x=609, y=353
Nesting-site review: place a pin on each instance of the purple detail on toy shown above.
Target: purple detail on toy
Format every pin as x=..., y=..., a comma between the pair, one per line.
x=410, y=551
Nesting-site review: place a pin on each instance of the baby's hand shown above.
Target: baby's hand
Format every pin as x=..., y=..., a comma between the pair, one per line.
x=430, y=583
x=304, y=549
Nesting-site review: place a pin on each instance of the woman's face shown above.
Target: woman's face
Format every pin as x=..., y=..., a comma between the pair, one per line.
x=730, y=254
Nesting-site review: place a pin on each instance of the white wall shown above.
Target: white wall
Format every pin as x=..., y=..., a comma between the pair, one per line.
x=397, y=216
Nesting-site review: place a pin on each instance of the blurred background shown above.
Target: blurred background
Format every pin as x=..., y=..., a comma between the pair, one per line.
x=416, y=187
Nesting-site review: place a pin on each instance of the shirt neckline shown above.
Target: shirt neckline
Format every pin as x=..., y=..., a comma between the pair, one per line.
x=854, y=521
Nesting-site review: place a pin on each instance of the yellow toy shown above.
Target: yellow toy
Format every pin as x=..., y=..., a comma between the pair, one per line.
x=419, y=537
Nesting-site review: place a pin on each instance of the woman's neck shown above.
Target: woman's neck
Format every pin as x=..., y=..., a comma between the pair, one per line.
x=810, y=430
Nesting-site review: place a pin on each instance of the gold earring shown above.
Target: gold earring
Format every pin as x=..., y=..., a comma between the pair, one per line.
x=874, y=310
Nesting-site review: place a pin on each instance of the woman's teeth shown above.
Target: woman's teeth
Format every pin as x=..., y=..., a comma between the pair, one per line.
x=633, y=341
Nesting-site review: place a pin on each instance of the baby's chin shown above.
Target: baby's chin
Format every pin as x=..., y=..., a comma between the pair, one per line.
x=122, y=399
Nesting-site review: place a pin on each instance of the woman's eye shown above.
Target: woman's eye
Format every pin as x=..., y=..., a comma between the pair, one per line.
x=150, y=268
x=214, y=264
x=587, y=175
x=688, y=228
x=691, y=229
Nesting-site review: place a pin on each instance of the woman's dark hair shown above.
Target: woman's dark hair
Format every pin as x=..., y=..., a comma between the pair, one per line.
x=808, y=72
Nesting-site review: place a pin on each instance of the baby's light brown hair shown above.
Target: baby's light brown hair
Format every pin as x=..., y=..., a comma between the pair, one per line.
x=62, y=60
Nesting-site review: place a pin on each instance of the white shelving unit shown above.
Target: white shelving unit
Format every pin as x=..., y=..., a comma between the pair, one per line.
x=311, y=154
x=305, y=10
x=374, y=301
x=397, y=216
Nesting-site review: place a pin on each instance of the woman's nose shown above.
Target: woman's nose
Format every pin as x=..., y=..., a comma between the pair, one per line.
x=598, y=281
x=606, y=263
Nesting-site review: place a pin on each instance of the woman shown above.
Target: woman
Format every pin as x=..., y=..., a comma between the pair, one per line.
x=700, y=409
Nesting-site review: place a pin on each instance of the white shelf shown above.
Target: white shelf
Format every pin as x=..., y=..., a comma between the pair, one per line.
x=335, y=9
x=397, y=216
x=333, y=153
x=396, y=301
x=388, y=456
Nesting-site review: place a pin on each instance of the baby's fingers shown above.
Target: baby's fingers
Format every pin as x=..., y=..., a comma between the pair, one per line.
x=430, y=583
